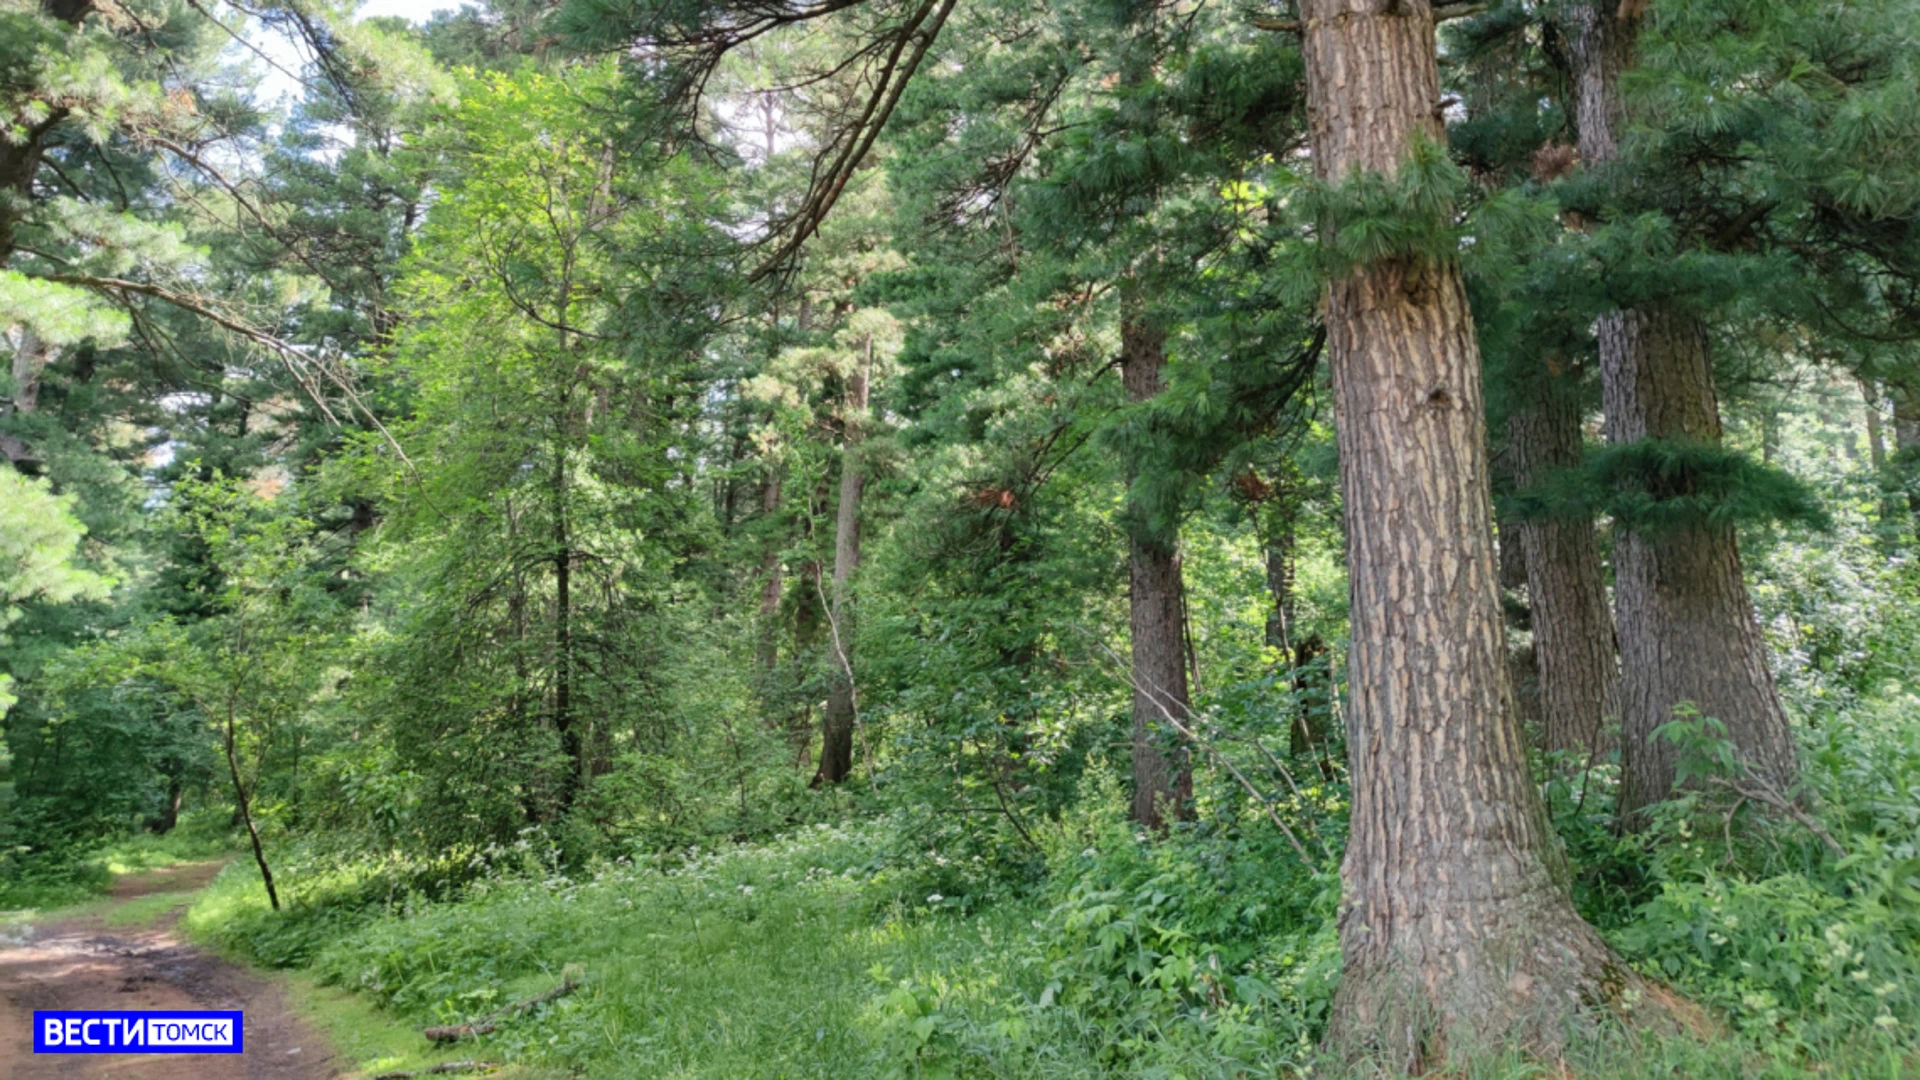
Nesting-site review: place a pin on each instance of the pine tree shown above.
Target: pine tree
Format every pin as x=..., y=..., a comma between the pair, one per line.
x=1456, y=925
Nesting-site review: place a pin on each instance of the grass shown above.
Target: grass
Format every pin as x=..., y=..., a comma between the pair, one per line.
x=756, y=963
x=201, y=834
x=146, y=910
x=368, y=1040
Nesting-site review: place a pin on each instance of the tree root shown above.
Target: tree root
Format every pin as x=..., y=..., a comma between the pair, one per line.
x=1430, y=1003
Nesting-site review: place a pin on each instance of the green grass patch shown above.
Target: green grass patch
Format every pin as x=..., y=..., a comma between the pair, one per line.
x=757, y=962
x=44, y=886
x=146, y=910
x=370, y=1041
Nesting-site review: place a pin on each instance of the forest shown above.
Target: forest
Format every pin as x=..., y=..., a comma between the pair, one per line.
x=978, y=538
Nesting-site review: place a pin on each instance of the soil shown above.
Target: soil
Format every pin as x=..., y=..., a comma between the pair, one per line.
x=80, y=962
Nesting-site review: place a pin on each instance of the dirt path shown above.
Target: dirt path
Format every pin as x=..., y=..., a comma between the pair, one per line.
x=80, y=962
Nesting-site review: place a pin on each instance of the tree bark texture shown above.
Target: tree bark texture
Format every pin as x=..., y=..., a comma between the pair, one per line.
x=1162, y=778
x=836, y=726
x=1687, y=628
x=1688, y=631
x=1456, y=928
x=1576, y=668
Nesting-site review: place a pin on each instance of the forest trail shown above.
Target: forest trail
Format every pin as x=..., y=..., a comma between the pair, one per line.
x=84, y=962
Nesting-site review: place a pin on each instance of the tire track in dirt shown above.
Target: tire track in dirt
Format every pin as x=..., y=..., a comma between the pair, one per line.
x=80, y=962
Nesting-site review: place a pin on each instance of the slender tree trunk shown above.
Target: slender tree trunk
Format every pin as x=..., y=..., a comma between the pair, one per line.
x=1906, y=441
x=1456, y=927
x=1282, y=543
x=1573, y=640
x=1889, y=514
x=1876, y=439
x=242, y=806
x=571, y=742
x=1162, y=779
x=30, y=358
x=772, y=586
x=1307, y=731
x=1688, y=632
x=1510, y=564
x=836, y=728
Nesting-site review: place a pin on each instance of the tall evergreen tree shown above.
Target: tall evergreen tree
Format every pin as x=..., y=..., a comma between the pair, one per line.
x=1686, y=623
x=1456, y=925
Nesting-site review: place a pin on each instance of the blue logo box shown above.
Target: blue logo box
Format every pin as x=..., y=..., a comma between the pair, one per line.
x=162, y=1031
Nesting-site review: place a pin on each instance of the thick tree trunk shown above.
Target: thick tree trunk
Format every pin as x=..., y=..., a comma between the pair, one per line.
x=1162, y=779
x=1688, y=632
x=1456, y=926
x=1687, y=628
x=809, y=630
x=169, y=815
x=836, y=727
x=1573, y=642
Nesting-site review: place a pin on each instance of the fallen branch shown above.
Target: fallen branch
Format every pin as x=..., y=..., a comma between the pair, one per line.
x=489, y=1023
x=443, y=1069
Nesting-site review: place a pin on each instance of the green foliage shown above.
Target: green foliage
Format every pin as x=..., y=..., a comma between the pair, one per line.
x=1655, y=485
x=740, y=962
x=39, y=538
x=1807, y=951
x=79, y=874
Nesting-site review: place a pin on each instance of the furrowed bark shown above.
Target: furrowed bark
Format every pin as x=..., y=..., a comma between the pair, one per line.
x=1162, y=777
x=1688, y=632
x=1456, y=929
x=1573, y=641
x=1687, y=628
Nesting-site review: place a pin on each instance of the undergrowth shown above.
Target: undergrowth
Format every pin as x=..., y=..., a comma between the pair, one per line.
x=852, y=951
x=32, y=881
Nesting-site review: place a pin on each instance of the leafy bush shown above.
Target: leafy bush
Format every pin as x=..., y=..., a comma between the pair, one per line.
x=1205, y=952
x=1803, y=948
